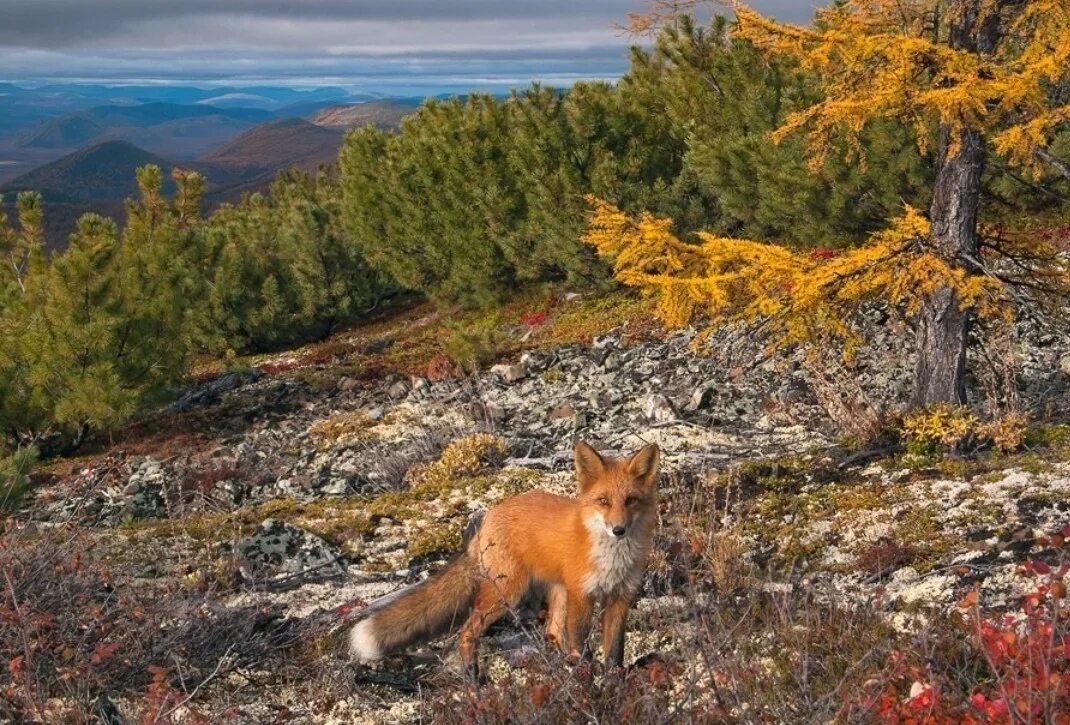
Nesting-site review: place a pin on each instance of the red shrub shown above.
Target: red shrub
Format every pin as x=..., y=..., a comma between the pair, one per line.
x=534, y=318
x=273, y=367
x=442, y=368
x=1020, y=661
x=885, y=554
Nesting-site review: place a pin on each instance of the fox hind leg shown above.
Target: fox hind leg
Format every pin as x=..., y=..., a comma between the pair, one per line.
x=493, y=600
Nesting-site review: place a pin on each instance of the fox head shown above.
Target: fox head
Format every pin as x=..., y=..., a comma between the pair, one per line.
x=618, y=493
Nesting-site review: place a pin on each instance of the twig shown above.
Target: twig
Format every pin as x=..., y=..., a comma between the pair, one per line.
x=211, y=676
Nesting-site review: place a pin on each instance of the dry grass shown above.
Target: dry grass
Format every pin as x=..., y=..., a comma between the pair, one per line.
x=409, y=341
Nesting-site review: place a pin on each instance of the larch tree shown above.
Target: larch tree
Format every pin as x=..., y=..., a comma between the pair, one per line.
x=974, y=77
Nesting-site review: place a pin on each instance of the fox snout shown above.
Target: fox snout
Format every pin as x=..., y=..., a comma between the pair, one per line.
x=615, y=529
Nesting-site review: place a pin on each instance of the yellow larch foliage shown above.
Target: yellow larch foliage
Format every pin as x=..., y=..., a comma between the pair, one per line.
x=941, y=425
x=803, y=297
x=893, y=59
x=952, y=426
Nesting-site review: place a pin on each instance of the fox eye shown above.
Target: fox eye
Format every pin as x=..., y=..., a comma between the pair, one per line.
x=603, y=501
x=631, y=501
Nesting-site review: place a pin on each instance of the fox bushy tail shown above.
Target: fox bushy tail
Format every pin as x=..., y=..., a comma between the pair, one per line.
x=417, y=613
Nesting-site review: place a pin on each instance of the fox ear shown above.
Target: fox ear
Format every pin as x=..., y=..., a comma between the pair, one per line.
x=644, y=465
x=589, y=465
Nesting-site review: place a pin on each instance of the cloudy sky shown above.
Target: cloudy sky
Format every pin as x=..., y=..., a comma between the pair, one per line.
x=334, y=41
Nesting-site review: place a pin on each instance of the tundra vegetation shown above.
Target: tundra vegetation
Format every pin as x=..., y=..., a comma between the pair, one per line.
x=809, y=195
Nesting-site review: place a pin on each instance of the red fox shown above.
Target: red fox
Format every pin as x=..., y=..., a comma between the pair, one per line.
x=583, y=550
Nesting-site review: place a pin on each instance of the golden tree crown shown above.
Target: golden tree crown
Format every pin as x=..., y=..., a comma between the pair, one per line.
x=894, y=59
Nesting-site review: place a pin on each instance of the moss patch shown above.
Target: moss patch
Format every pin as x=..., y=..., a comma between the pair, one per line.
x=343, y=428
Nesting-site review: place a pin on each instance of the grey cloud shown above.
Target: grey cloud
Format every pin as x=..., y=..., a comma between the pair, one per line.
x=63, y=23
x=158, y=38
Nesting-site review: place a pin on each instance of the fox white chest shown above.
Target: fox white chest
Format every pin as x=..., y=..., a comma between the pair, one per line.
x=617, y=564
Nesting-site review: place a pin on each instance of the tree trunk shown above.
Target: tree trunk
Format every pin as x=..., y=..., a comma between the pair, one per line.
x=942, y=327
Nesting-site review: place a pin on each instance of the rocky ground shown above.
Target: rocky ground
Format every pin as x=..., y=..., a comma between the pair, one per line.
x=298, y=491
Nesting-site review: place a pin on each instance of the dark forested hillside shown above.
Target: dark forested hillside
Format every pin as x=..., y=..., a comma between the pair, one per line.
x=104, y=172
x=277, y=145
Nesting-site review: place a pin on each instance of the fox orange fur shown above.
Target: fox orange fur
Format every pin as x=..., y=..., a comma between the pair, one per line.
x=585, y=550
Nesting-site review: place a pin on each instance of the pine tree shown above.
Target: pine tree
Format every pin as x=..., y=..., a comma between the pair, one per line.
x=21, y=264
x=22, y=250
x=282, y=269
x=158, y=283
x=440, y=198
x=71, y=332
x=726, y=99
x=104, y=328
x=594, y=138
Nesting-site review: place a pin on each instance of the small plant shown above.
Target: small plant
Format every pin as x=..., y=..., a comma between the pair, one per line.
x=462, y=458
x=1046, y=436
x=436, y=540
x=954, y=428
x=476, y=343
x=442, y=368
x=1007, y=433
x=939, y=427
x=534, y=318
x=344, y=428
x=14, y=476
x=885, y=554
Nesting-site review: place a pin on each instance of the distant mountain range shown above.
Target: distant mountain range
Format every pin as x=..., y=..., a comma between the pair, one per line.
x=276, y=145
x=39, y=124
x=100, y=176
x=181, y=131
x=24, y=106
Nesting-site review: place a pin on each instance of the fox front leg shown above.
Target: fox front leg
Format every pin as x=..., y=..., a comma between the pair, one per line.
x=556, y=607
x=614, y=618
x=578, y=611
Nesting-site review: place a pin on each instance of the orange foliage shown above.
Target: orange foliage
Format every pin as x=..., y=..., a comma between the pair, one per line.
x=894, y=59
x=802, y=297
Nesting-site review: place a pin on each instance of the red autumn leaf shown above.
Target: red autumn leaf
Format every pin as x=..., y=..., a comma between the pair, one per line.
x=103, y=652
x=533, y=318
x=540, y=694
x=15, y=664
x=1040, y=567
